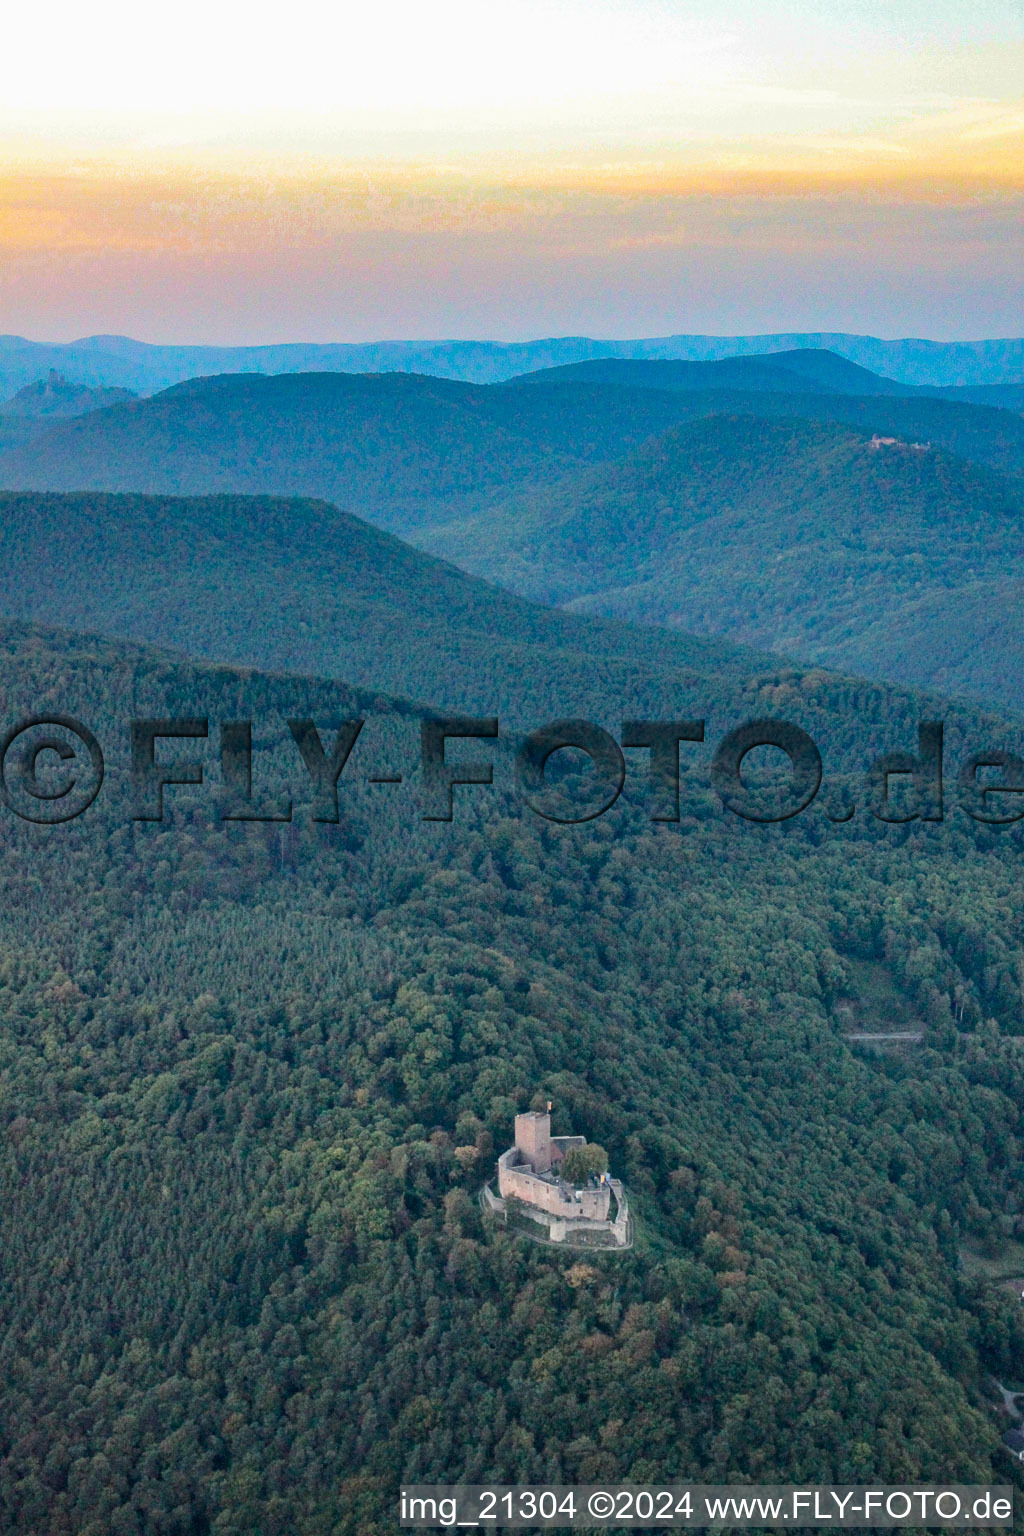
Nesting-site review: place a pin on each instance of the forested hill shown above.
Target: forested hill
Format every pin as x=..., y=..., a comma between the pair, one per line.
x=823, y=387
x=297, y=586
x=252, y=1078
x=57, y=397
x=891, y=559
x=45, y=401
x=300, y=586
x=812, y=370
x=392, y=447
x=407, y=452
x=871, y=545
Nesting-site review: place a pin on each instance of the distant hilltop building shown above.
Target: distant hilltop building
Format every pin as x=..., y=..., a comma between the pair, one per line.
x=561, y=1183
x=897, y=442
x=58, y=397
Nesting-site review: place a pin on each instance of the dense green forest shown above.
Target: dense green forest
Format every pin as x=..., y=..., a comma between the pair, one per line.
x=299, y=586
x=891, y=559
x=252, y=1077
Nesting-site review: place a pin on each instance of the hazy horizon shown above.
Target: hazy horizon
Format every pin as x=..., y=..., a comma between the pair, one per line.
x=524, y=340
x=608, y=168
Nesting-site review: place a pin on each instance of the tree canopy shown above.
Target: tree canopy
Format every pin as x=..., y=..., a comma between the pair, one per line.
x=580, y=1163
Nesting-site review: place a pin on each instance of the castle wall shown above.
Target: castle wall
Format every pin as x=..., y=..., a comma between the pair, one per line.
x=593, y=1203
x=556, y=1199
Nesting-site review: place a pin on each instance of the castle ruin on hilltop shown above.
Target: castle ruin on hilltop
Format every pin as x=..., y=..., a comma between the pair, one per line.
x=576, y=1214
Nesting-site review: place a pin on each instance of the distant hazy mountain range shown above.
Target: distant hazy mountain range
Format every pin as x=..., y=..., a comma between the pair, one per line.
x=797, y=503
x=406, y=451
x=136, y=365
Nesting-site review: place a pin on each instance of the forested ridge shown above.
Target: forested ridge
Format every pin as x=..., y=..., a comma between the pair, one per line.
x=407, y=451
x=300, y=586
x=811, y=369
x=251, y=1079
x=806, y=371
x=396, y=448
x=873, y=554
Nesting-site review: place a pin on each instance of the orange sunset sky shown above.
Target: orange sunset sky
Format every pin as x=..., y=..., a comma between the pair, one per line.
x=228, y=173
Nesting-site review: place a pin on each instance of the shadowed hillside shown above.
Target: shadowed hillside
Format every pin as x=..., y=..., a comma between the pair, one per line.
x=299, y=586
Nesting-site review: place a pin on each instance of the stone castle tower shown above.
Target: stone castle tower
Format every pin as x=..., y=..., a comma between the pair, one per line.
x=533, y=1139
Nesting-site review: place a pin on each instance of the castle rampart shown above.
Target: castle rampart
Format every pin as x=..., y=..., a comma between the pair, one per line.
x=551, y=1194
